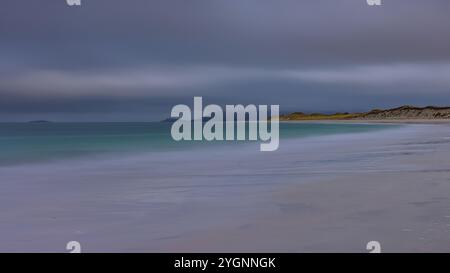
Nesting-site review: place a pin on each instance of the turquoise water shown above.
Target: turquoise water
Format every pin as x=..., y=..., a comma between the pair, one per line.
x=40, y=142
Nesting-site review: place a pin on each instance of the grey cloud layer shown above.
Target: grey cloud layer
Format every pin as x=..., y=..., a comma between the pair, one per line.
x=174, y=81
x=116, y=56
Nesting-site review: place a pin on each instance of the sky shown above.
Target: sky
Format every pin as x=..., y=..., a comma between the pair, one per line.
x=133, y=60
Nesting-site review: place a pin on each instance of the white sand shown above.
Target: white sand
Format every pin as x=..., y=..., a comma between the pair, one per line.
x=332, y=193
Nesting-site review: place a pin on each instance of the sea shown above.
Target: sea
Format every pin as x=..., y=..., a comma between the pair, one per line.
x=25, y=143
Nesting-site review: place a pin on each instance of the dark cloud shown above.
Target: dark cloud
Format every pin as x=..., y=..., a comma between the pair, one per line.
x=117, y=59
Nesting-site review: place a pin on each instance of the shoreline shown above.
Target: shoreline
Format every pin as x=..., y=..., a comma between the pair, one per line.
x=320, y=194
x=390, y=187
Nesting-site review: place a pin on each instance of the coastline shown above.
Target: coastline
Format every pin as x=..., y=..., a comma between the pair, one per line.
x=374, y=121
x=393, y=189
x=317, y=194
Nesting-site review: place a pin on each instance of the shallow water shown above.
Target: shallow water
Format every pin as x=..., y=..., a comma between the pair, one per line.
x=40, y=142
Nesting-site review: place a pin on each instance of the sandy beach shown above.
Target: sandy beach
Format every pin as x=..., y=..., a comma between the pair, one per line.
x=325, y=194
x=376, y=121
x=395, y=192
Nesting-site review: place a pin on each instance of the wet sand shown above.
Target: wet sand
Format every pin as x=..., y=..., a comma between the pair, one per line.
x=397, y=193
x=324, y=194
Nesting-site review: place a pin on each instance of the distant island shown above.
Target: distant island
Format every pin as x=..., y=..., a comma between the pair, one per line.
x=204, y=119
x=39, y=121
x=169, y=120
x=405, y=112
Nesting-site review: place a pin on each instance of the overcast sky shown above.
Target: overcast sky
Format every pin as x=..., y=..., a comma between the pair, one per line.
x=124, y=60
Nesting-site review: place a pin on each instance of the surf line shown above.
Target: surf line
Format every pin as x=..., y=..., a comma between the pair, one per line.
x=258, y=122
